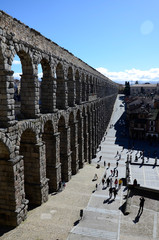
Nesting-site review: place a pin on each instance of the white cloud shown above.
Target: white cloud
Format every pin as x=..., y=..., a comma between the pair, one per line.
x=132, y=75
x=16, y=62
x=17, y=75
x=40, y=75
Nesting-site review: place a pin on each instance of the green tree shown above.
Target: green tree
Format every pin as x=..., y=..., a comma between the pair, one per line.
x=127, y=89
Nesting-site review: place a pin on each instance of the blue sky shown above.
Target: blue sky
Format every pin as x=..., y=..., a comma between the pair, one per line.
x=120, y=38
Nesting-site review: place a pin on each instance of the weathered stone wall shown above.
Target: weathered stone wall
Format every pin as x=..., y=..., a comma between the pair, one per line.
x=48, y=143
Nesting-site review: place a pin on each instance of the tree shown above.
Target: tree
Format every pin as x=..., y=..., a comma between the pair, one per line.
x=127, y=89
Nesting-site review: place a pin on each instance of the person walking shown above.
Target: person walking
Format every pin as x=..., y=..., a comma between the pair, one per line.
x=110, y=192
x=116, y=183
x=120, y=183
x=141, y=206
x=103, y=182
x=108, y=181
x=115, y=192
x=111, y=182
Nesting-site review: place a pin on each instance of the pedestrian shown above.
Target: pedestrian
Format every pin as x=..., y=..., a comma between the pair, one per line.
x=63, y=184
x=142, y=159
x=108, y=181
x=135, y=182
x=96, y=186
x=100, y=158
x=95, y=177
x=104, y=163
x=116, y=173
x=155, y=160
x=116, y=183
x=113, y=173
x=81, y=213
x=115, y=192
x=117, y=164
x=103, y=181
x=110, y=192
x=117, y=153
x=141, y=206
x=120, y=183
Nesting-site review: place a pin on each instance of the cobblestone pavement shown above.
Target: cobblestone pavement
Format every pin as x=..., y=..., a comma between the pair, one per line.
x=59, y=218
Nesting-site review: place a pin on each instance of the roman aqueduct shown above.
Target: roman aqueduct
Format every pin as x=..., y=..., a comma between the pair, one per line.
x=49, y=140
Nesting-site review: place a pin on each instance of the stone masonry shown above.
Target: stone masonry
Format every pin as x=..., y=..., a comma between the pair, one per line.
x=48, y=140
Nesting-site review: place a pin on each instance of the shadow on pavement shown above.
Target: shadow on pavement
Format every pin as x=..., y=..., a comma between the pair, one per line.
x=76, y=223
x=4, y=230
x=122, y=207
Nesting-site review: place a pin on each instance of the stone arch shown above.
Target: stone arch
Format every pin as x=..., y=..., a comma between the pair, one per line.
x=93, y=130
x=71, y=87
x=87, y=87
x=61, y=88
x=46, y=88
x=65, y=158
x=85, y=134
x=7, y=193
x=91, y=85
x=30, y=152
x=80, y=138
x=83, y=88
x=78, y=87
x=73, y=143
x=50, y=154
x=28, y=87
x=90, y=134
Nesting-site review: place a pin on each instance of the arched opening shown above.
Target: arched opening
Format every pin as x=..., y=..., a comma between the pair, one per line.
x=89, y=136
x=85, y=136
x=17, y=68
x=7, y=191
x=50, y=148
x=83, y=88
x=27, y=105
x=30, y=152
x=60, y=91
x=87, y=88
x=73, y=144
x=80, y=139
x=46, y=87
x=91, y=86
x=93, y=132
x=63, y=149
x=78, y=87
x=71, y=88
